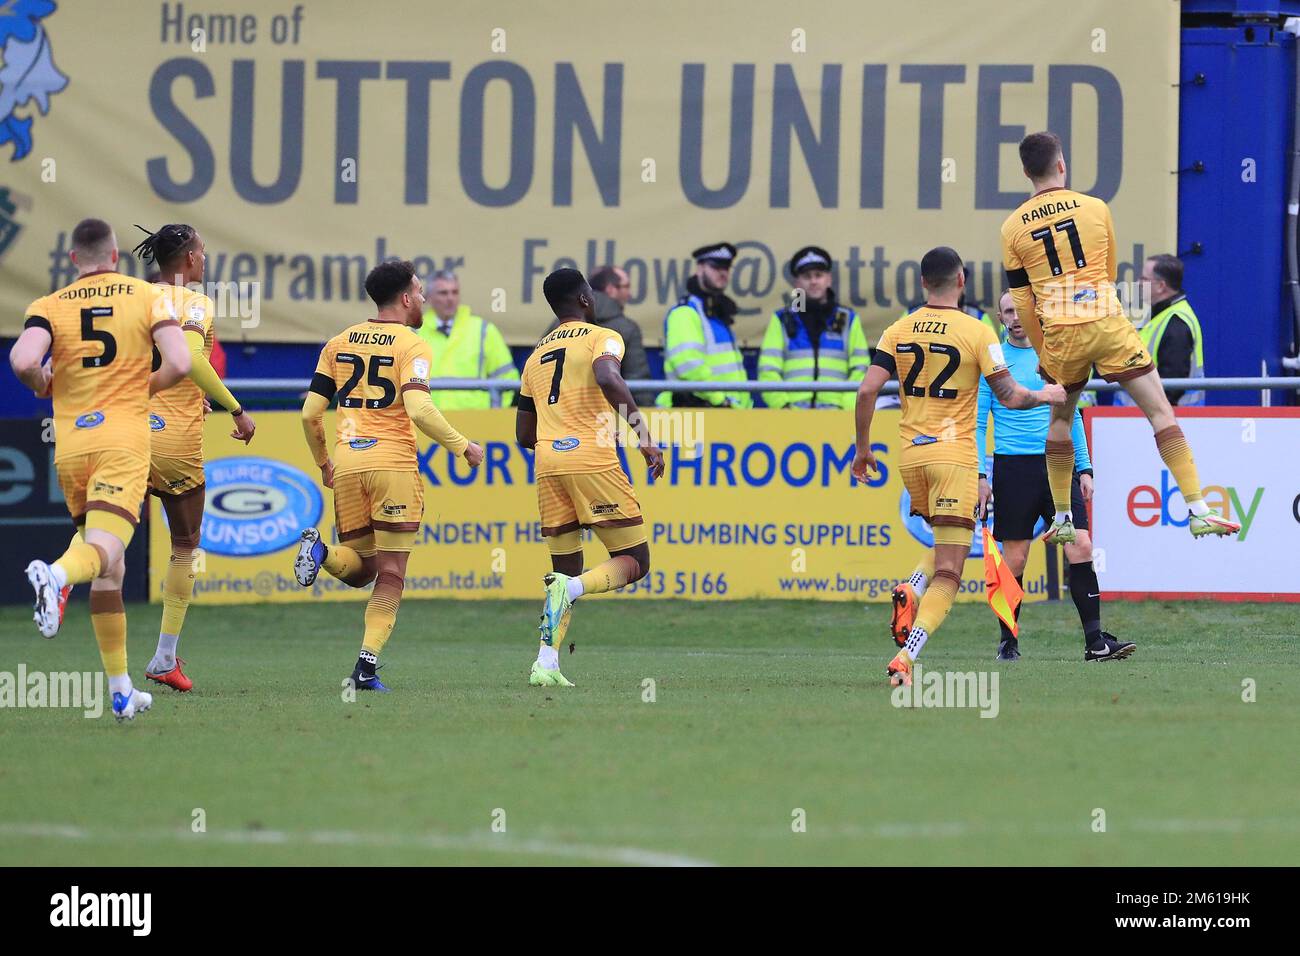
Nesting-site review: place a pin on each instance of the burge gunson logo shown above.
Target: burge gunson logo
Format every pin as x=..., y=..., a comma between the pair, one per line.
x=103, y=909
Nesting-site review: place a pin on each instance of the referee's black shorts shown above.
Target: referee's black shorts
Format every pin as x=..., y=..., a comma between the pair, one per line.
x=1021, y=495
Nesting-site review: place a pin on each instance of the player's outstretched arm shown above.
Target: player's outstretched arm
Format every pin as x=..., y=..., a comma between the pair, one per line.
x=419, y=406
x=176, y=362
x=313, y=427
x=26, y=357
x=609, y=377
x=1014, y=395
x=864, y=462
x=205, y=377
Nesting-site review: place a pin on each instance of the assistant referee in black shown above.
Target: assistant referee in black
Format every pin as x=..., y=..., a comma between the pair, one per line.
x=1022, y=495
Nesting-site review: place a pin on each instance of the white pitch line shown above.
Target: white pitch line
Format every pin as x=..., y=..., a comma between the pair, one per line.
x=629, y=855
x=954, y=829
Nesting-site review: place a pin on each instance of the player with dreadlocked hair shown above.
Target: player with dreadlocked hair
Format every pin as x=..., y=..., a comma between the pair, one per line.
x=176, y=430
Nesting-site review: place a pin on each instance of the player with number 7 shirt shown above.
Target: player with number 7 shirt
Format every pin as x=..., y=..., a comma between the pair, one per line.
x=379, y=372
x=570, y=401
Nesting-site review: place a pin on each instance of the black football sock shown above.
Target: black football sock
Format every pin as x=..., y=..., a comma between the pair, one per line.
x=1087, y=598
x=366, y=662
x=1006, y=631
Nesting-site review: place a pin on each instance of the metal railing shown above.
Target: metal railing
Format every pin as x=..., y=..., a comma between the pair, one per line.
x=496, y=386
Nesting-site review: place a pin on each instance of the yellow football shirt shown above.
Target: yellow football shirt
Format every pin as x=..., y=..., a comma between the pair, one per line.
x=1061, y=244
x=939, y=354
x=176, y=415
x=102, y=328
x=576, y=426
x=368, y=366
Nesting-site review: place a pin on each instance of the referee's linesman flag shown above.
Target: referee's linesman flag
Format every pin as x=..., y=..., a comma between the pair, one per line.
x=1000, y=585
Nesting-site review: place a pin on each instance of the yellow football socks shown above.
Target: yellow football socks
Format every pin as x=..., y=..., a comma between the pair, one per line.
x=923, y=574
x=108, y=619
x=611, y=575
x=178, y=588
x=1177, y=456
x=1060, y=472
x=342, y=562
x=81, y=562
x=381, y=610
x=937, y=601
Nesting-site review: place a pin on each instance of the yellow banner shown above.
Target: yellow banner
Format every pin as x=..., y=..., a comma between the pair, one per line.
x=752, y=505
x=307, y=142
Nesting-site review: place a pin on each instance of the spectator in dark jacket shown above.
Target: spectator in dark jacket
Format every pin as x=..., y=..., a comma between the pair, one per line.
x=613, y=289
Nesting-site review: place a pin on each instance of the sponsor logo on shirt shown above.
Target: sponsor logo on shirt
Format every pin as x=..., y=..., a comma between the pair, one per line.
x=924, y=440
x=361, y=444
x=1086, y=295
x=256, y=506
x=565, y=444
x=156, y=423
x=92, y=420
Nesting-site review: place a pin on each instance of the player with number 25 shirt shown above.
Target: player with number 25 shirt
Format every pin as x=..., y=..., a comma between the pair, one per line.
x=379, y=372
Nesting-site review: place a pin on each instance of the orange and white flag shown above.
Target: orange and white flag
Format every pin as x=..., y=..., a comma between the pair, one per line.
x=1000, y=585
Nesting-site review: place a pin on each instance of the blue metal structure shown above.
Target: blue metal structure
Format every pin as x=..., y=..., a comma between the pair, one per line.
x=1236, y=105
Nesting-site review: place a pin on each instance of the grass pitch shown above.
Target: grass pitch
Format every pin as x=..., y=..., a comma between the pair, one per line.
x=761, y=710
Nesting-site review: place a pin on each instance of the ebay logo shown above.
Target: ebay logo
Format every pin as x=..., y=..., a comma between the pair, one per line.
x=1148, y=506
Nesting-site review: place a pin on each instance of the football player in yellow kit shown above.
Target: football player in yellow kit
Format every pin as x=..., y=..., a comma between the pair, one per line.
x=1058, y=248
x=101, y=331
x=379, y=371
x=176, y=430
x=939, y=354
x=572, y=385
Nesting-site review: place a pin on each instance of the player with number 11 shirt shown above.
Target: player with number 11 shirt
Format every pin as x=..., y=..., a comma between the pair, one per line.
x=1059, y=250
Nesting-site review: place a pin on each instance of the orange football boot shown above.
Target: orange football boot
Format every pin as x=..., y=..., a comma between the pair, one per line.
x=900, y=669
x=173, y=678
x=64, y=594
x=905, y=605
